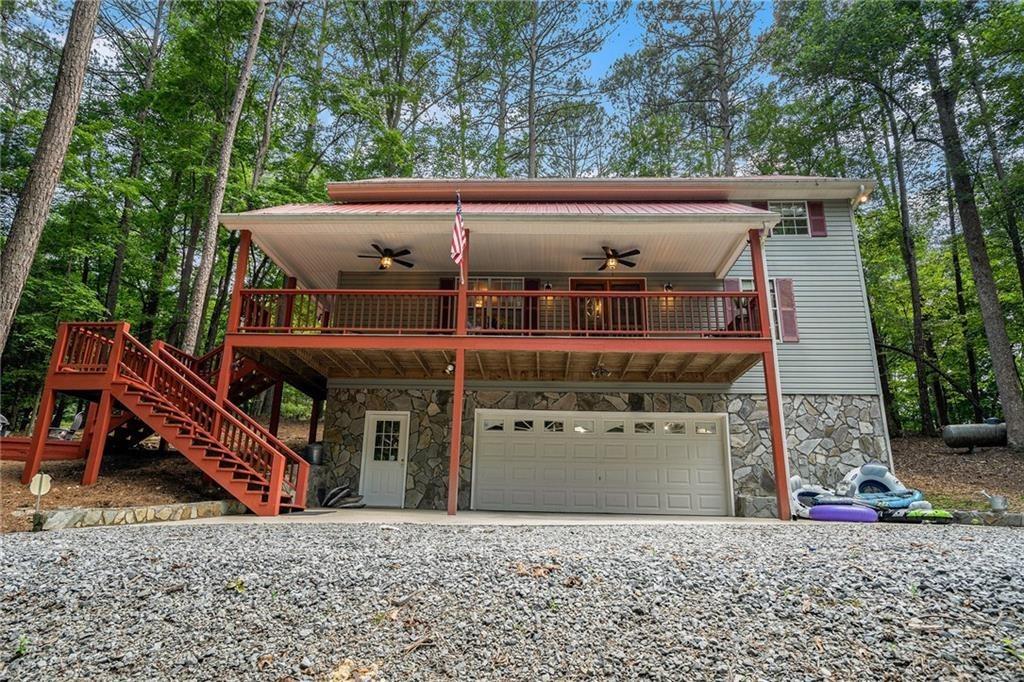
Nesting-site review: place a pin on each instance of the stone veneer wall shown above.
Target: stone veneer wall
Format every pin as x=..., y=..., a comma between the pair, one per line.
x=827, y=434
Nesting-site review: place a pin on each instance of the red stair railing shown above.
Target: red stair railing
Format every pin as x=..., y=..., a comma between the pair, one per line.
x=296, y=469
x=108, y=348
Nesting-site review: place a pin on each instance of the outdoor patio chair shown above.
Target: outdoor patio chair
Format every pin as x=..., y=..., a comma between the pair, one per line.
x=69, y=433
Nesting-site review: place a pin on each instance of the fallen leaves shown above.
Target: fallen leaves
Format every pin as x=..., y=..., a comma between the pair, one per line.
x=350, y=671
x=535, y=570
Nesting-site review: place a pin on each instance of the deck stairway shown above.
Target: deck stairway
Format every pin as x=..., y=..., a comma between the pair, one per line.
x=157, y=392
x=248, y=379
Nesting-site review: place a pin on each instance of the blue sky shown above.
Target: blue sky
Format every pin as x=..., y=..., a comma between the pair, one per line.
x=629, y=36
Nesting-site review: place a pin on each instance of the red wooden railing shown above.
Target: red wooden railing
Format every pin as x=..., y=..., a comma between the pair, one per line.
x=344, y=311
x=99, y=348
x=681, y=314
x=296, y=471
x=86, y=347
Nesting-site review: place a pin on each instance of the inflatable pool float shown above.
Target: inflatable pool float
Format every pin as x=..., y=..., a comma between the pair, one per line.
x=897, y=499
x=802, y=496
x=937, y=516
x=841, y=512
x=873, y=477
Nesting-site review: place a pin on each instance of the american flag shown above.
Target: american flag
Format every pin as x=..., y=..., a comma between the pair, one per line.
x=459, y=241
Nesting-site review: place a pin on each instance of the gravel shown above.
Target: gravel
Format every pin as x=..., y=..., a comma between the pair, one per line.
x=337, y=602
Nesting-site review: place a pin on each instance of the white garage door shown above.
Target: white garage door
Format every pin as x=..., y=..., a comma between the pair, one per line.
x=615, y=462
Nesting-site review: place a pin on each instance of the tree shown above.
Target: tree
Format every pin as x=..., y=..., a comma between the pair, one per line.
x=717, y=52
x=147, y=70
x=941, y=41
x=37, y=195
x=556, y=38
x=195, y=317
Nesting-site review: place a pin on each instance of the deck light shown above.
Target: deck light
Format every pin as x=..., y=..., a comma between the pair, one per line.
x=449, y=368
x=668, y=287
x=547, y=286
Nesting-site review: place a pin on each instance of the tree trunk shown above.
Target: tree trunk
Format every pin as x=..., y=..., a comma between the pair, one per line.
x=531, y=95
x=275, y=89
x=941, y=404
x=501, y=142
x=177, y=328
x=907, y=250
x=961, y=304
x=891, y=416
x=1003, y=365
x=222, y=296
x=220, y=184
x=1012, y=228
x=134, y=168
x=37, y=195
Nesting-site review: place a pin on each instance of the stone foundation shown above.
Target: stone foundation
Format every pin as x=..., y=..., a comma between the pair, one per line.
x=827, y=435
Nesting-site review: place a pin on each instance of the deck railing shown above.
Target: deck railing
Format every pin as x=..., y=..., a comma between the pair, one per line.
x=107, y=348
x=669, y=314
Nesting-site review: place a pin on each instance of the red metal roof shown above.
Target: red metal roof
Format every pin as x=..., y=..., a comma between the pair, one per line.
x=517, y=208
x=744, y=188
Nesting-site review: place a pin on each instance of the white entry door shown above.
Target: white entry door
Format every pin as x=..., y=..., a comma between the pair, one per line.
x=385, y=446
x=619, y=462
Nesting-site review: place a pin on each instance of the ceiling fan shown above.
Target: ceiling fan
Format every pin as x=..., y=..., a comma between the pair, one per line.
x=387, y=257
x=612, y=258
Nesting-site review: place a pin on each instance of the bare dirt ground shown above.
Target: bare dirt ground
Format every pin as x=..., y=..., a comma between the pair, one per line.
x=126, y=480
x=951, y=479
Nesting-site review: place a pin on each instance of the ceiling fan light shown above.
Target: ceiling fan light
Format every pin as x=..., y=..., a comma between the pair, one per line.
x=612, y=263
x=386, y=262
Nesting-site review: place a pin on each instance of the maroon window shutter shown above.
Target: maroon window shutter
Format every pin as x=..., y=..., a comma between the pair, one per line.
x=730, y=284
x=816, y=217
x=763, y=205
x=446, y=311
x=786, y=304
x=531, y=308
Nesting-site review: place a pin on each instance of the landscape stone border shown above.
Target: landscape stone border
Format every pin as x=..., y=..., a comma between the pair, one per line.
x=987, y=518
x=88, y=517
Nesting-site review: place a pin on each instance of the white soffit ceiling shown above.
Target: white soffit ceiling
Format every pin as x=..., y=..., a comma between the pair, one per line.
x=314, y=252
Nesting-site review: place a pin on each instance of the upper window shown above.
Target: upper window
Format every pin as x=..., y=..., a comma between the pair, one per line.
x=747, y=284
x=794, y=217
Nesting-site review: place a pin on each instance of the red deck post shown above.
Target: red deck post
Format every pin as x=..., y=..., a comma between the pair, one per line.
x=99, y=439
x=235, y=311
x=284, y=321
x=46, y=402
x=773, y=391
x=459, y=389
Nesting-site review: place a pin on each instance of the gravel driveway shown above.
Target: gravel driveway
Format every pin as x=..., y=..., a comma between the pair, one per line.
x=317, y=601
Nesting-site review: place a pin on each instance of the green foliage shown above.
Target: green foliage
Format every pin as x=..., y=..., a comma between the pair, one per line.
x=364, y=88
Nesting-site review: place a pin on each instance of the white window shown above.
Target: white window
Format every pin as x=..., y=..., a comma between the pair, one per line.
x=773, y=302
x=583, y=426
x=643, y=427
x=705, y=428
x=615, y=426
x=794, y=217
x=554, y=425
x=493, y=312
x=675, y=428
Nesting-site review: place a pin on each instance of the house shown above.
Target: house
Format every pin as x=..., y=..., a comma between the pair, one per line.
x=663, y=346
